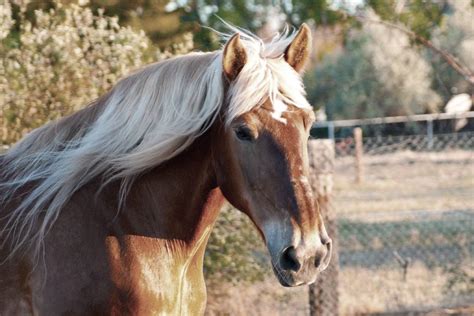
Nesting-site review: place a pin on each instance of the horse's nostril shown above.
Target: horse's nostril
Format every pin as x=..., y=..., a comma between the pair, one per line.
x=323, y=256
x=289, y=260
x=318, y=259
x=326, y=240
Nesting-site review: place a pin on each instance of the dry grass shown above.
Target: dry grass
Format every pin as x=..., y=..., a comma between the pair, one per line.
x=406, y=181
x=362, y=291
x=262, y=298
x=366, y=291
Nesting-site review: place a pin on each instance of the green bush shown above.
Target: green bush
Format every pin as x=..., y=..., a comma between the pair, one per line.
x=60, y=60
x=235, y=253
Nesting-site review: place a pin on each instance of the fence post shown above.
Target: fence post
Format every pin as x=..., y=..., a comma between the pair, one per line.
x=359, y=152
x=331, y=132
x=429, y=132
x=323, y=295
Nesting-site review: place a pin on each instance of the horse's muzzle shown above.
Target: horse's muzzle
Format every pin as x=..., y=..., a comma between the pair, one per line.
x=296, y=267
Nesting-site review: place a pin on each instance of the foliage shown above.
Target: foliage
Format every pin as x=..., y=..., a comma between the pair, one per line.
x=448, y=24
x=378, y=74
x=63, y=59
x=251, y=15
x=383, y=72
x=420, y=16
x=402, y=70
x=345, y=85
x=235, y=252
x=456, y=36
x=162, y=23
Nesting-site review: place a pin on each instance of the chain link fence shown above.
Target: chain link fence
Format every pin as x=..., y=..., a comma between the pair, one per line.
x=406, y=229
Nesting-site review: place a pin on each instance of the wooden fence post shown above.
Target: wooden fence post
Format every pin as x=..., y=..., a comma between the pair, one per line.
x=323, y=295
x=359, y=152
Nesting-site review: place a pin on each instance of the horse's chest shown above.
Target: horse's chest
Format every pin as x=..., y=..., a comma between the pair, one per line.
x=159, y=283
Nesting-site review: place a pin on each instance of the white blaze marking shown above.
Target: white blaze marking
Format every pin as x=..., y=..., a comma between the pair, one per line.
x=278, y=108
x=304, y=179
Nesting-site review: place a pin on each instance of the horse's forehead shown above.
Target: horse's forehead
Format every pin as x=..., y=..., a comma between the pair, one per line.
x=280, y=117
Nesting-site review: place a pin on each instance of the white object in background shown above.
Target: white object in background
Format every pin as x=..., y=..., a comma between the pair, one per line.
x=458, y=104
x=321, y=114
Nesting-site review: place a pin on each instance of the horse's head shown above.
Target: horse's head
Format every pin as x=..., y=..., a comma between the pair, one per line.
x=262, y=169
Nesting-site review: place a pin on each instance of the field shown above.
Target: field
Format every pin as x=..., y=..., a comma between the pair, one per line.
x=406, y=181
x=361, y=292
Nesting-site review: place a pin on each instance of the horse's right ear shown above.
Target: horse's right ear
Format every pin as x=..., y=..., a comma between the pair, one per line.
x=234, y=57
x=297, y=53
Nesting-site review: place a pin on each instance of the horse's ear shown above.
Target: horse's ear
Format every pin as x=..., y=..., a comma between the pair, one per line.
x=234, y=57
x=297, y=53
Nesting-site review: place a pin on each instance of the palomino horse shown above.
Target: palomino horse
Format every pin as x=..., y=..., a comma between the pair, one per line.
x=108, y=211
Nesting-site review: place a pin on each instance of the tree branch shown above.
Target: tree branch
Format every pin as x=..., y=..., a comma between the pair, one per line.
x=450, y=59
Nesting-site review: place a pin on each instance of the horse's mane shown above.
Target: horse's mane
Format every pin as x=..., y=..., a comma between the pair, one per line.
x=147, y=118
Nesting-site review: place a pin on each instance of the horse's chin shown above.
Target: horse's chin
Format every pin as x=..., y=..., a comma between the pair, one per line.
x=289, y=280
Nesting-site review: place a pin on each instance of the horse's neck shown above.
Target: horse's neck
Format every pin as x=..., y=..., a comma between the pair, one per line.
x=146, y=258
x=157, y=243
x=178, y=201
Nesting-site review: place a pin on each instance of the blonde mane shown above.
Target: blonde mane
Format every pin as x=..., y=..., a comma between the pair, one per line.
x=147, y=118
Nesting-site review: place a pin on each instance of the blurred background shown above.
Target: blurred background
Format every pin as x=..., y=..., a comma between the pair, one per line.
x=392, y=84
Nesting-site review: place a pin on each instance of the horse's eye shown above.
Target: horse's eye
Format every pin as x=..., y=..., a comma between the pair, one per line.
x=244, y=133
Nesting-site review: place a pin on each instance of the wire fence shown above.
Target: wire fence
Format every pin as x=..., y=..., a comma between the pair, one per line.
x=406, y=230
x=416, y=143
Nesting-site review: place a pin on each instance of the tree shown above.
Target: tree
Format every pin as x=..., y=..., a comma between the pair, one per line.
x=401, y=69
x=161, y=22
x=345, y=84
x=419, y=16
x=378, y=74
x=251, y=15
x=456, y=36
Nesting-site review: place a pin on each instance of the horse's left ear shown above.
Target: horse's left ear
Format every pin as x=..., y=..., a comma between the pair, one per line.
x=234, y=57
x=297, y=53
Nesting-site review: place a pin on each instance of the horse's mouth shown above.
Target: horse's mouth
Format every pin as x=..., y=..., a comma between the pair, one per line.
x=287, y=279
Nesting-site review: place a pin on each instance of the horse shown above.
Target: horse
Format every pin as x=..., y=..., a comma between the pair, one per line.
x=109, y=210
